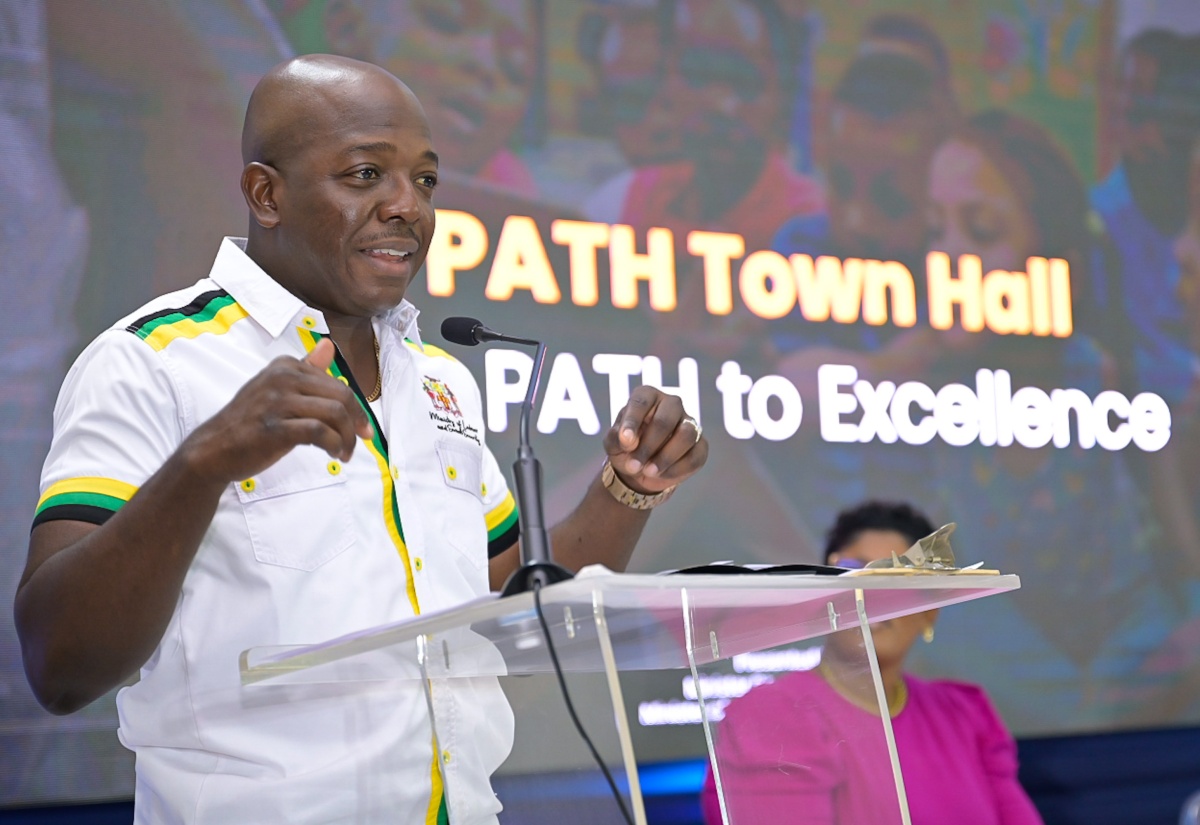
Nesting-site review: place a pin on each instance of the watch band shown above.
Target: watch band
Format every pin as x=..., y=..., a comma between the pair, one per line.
x=625, y=494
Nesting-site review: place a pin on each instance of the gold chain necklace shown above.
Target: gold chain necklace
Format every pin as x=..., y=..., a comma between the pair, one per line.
x=895, y=702
x=374, y=394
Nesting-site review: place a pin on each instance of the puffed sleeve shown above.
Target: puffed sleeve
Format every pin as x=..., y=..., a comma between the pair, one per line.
x=777, y=760
x=998, y=754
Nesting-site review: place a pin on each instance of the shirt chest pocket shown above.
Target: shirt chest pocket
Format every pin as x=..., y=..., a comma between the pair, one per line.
x=298, y=510
x=463, y=523
x=462, y=467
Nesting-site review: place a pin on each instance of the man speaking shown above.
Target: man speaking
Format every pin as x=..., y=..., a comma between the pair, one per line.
x=253, y=461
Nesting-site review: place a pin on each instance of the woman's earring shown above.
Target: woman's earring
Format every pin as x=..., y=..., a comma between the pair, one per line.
x=928, y=634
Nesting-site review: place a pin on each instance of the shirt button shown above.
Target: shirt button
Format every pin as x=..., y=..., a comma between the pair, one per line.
x=451, y=473
x=446, y=755
x=308, y=321
x=334, y=467
x=396, y=473
x=483, y=489
x=418, y=564
x=248, y=485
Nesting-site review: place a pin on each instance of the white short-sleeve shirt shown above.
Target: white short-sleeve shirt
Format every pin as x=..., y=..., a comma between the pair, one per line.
x=309, y=549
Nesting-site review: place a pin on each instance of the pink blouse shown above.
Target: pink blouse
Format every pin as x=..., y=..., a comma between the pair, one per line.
x=795, y=751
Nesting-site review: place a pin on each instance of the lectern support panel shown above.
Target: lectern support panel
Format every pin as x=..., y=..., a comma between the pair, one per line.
x=605, y=623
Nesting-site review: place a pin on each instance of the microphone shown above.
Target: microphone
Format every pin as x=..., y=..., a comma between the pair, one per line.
x=537, y=566
x=468, y=332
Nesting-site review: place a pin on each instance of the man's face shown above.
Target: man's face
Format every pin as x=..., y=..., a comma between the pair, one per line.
x=1187, y=253
x=1141, y=135
x=877, y=183
x=1158, y=123
x=471, y=63
x=724, y=82
x=631, y=70
x=355, y=200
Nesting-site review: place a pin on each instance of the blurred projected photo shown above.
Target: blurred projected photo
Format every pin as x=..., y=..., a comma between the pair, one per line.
x=938, y=252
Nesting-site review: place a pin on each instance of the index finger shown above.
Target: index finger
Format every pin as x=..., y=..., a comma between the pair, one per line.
x=637, y=411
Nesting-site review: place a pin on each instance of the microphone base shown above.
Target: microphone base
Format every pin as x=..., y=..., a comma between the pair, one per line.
x=527, y=575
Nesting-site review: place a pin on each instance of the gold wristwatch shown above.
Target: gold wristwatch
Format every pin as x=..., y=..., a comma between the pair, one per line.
x=625, y=494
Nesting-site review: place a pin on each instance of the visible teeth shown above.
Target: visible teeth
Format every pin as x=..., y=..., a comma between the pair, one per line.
x=391, y=252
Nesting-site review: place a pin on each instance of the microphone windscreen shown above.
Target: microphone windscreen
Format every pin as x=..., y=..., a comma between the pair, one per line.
x=461, y=330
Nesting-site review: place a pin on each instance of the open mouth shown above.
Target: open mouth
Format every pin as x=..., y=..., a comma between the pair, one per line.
x=389, y=254
x=390, y=261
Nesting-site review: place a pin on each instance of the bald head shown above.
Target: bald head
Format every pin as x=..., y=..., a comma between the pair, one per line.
x=339, y=179
x=308, y=96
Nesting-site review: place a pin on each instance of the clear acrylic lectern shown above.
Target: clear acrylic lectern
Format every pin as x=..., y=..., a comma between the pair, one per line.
x=603, y=623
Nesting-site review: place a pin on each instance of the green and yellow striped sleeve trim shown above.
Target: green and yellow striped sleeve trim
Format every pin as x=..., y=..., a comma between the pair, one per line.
x=502, y=526
x=89, y=499
x=211, y=312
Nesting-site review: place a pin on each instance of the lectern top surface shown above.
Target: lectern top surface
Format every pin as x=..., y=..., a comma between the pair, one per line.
x=652, y=622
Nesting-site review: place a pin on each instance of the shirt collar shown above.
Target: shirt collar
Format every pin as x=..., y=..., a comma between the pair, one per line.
x=274, y=308
x=403, y=319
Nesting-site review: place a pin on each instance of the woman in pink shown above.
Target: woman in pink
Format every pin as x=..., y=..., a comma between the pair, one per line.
x=809, y=748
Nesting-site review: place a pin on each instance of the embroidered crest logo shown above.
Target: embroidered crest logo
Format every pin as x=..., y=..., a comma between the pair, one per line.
x=441, y=396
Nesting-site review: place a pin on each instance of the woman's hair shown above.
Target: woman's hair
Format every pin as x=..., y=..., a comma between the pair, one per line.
x=885, y=85
x=910, y=32
x=1043, y=178
x=892, y=516
x=1052, y=194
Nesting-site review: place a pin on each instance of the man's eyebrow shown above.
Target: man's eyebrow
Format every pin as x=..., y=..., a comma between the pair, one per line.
x=377, y=146
x=380, y=146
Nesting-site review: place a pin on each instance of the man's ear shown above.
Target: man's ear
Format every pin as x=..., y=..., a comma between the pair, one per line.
x=260, y=183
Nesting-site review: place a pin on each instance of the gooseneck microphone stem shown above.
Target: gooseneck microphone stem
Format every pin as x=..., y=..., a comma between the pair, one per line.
x=535, y=381
x=527, y=475
x=537, y=565
x=537, y=568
